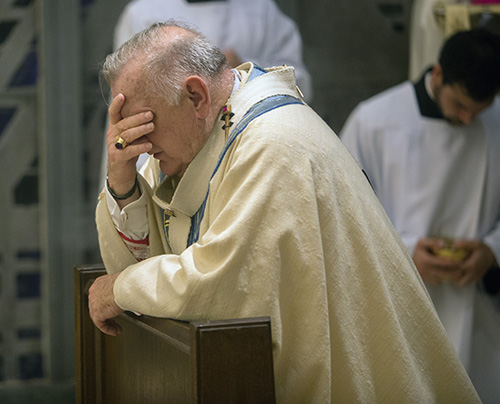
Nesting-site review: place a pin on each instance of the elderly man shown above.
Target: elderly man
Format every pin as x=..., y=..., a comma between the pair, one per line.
x=251, y=206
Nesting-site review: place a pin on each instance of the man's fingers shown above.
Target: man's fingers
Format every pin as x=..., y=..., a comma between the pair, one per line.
x=102, y=305
x=110, y=327
x=131, y=129
x=464, y=281
x=132, y=150
x=107, y=326
x=132, y=132
x=115, y=108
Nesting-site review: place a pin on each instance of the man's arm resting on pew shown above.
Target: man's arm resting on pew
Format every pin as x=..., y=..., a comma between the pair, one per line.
x=102, y=304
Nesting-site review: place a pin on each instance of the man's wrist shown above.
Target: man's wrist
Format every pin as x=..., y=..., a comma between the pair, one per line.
x=126, y=195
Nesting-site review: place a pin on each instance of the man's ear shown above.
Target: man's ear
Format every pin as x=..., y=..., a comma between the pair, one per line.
x=437, y=74
x=199, y=96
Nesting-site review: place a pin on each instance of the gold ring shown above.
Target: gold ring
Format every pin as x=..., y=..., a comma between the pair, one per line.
x=121, y=143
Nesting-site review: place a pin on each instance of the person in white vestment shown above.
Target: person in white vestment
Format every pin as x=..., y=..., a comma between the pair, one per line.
x=251, y=206
x=432, y=153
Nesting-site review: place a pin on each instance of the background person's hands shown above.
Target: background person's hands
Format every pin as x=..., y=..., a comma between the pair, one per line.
x=434, y=269
x=478, y=260
x=470, y=268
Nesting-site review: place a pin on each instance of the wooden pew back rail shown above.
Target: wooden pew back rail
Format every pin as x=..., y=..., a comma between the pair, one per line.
x=167, y=361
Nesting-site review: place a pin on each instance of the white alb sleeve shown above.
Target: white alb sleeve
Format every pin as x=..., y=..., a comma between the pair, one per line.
x=131, y=221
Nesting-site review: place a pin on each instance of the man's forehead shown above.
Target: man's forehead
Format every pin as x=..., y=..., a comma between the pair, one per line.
x=131, y=87
x=129, y=75
x=133, y=105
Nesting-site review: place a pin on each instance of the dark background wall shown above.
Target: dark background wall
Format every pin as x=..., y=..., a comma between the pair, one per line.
x=353, y=49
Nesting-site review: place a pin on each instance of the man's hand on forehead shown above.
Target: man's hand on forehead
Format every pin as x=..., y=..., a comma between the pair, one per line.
x=127, y=127
x=126, y=140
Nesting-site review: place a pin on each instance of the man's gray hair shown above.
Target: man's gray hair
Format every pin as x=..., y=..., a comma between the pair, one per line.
x=167, y=62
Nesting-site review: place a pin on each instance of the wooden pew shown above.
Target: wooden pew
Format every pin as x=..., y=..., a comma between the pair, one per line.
x=166, y=361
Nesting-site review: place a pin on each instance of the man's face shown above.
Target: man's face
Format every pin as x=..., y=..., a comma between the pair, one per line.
x=177, y=136
x=455, y=103
x=457, y=107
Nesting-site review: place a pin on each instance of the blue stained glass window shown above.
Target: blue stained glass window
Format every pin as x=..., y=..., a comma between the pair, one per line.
x=27, y=74
x=28, y=286
x=29, y=255
x=6, y=115
x=22, y=3
x=28, y=333
x=30, y=366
